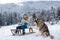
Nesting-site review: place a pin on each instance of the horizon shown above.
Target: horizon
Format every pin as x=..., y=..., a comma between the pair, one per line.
x=19, y=1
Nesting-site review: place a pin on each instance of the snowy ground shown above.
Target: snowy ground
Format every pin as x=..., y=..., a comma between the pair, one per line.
x=5, y=33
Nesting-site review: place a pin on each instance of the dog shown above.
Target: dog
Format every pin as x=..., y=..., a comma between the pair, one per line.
x=42, y=27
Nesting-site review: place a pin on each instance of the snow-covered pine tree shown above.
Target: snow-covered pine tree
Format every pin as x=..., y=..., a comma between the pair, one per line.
x=0, y=19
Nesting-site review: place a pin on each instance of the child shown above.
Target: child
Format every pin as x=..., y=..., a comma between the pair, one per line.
x=24, y=23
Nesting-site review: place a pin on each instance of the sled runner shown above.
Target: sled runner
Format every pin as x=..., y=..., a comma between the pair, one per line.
x=24, y=34
x=19, y=31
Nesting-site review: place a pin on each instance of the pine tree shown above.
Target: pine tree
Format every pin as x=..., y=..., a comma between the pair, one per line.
x=42, y=15
x=34, y=16
x=15, y=18
x=0, y=19
x=58, y=12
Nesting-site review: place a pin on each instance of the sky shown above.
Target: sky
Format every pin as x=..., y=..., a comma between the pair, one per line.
x=17, y=1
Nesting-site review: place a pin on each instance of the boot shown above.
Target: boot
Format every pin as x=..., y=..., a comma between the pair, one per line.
x=16, y=31
x=23, y=33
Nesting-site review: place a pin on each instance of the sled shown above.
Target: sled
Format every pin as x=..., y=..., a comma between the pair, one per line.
x=13, y=31
x=24, y=34
x=19, y=31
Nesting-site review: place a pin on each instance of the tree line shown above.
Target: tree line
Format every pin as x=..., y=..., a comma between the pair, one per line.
x=9, y=18
x=52, y=15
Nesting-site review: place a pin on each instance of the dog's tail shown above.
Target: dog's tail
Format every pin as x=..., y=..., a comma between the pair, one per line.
x=51, y=36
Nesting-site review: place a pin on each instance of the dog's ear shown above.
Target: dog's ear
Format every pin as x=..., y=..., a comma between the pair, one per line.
x=35, y=19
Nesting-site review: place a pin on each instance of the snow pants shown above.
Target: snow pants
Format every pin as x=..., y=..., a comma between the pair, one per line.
x=22, y=27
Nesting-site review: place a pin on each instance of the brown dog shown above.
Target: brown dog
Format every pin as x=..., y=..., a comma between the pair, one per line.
x=43, y=28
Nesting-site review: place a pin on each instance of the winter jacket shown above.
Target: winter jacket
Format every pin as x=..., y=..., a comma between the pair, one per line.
x=28, y=21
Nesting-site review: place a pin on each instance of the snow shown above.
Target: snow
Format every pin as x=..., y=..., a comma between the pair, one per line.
x=5, y=33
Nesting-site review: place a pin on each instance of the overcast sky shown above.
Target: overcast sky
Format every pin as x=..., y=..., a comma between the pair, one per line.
x=16, y=1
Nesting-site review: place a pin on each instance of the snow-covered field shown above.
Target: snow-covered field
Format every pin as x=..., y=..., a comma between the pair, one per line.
x=5, y=33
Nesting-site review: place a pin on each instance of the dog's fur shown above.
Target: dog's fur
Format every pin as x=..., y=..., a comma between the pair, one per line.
x=43, y=28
